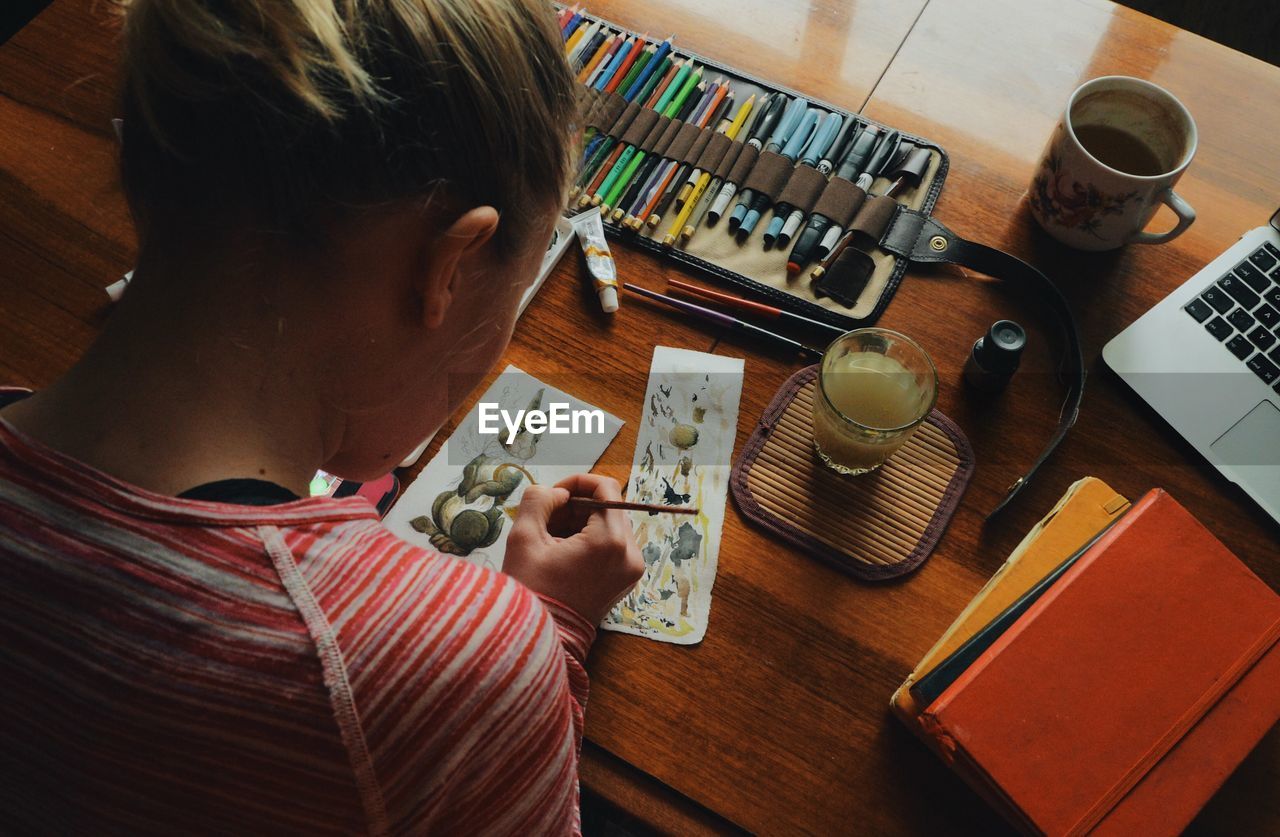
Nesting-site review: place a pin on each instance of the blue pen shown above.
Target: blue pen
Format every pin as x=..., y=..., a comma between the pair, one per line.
x=643, y=78
x=817, y=147
x=791, y=119
x=605, y=77
x=796, y=142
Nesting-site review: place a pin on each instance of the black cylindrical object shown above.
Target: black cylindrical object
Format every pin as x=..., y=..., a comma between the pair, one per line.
x=995, y=356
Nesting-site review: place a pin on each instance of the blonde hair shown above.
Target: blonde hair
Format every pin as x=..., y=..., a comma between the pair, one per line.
x=279, y=111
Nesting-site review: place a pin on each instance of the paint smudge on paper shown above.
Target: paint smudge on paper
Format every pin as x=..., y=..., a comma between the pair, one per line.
x=683, y=457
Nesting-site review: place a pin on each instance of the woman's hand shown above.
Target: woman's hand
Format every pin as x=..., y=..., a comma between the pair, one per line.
x=585, y=558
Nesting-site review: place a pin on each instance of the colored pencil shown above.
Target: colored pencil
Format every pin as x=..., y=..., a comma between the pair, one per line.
x=567, y=30
x=610, y=149
x=709, y=111
x=609, y=194
x=642, y=178
x=618, y=44
x=586, y=51
x=621, y=81
x=619, y=72
x=654, y=65
x=601, y=52
x=571, y=43
x=701, y=179
x=625, y=155
x=714, y=113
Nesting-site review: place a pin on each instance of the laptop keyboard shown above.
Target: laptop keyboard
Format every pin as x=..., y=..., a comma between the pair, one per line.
x=1242, y=312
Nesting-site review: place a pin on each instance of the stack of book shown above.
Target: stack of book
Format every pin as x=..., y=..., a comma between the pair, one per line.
x=1110, y=676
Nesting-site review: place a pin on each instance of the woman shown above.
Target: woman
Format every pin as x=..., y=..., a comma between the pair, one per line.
x=338, y=206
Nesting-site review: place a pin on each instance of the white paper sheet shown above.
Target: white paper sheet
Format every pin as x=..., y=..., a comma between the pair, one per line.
x=683, y=455
x=464, y=500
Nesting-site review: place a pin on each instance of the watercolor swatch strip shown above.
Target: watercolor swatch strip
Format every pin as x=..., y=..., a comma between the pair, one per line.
x=683, y=457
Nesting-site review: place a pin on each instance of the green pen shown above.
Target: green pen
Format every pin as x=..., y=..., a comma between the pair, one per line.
x=673, y=107
x=663, y=102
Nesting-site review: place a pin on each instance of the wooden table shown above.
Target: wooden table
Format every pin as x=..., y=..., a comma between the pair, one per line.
x=778, y=721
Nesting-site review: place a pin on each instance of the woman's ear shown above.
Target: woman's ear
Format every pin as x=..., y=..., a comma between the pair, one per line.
x=442, y=256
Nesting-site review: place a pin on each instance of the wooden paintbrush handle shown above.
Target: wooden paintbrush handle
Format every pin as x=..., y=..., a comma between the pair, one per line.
x=589, y=502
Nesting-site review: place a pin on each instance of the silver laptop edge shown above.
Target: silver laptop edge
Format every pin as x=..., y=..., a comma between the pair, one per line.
x=1206, y=393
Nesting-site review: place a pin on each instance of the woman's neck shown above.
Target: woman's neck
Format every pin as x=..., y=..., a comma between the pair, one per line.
x=192, y=381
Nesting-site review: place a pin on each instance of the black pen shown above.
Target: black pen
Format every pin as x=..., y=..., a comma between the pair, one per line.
x=883, y=155
x=759, y=132
x=807, y=243
x=860, y=150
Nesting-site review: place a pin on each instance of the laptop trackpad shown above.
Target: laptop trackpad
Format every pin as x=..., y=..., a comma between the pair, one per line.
x=1253, y=440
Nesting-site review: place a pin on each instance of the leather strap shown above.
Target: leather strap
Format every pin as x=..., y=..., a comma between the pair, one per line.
x=922, y=239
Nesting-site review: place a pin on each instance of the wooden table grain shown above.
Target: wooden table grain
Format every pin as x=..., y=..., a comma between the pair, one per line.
x=778, y=721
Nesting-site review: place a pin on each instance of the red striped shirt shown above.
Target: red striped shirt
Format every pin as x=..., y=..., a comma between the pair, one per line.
x=177, y=665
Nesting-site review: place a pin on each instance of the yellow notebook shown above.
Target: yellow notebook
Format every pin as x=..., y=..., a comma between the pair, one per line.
x=1088, y=506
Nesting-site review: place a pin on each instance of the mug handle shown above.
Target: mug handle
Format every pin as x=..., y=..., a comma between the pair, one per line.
x=1180, y=208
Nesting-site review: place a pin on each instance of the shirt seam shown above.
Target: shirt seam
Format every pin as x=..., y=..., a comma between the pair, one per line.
x=334, y=667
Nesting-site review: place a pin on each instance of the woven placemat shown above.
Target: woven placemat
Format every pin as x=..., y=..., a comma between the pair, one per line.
x=873, y=526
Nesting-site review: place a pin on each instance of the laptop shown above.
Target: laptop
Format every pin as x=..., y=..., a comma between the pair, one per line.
x=1207, y=359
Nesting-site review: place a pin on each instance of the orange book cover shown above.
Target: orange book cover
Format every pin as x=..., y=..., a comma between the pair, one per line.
x=1086, y=508
x=1125, y=696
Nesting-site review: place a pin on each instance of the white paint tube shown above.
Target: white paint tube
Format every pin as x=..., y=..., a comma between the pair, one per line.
x=604, y=273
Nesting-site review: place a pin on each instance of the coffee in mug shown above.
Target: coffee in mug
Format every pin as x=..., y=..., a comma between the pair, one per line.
x=1114, y=157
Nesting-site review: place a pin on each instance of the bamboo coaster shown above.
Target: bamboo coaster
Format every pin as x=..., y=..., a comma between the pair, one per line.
x=873, y=526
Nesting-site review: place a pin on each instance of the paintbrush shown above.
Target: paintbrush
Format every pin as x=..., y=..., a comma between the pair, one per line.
x=733, y=323
x=592, y=503
x=763, y=309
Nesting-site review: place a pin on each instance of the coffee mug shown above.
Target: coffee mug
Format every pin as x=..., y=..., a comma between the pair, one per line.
x=1117, y=152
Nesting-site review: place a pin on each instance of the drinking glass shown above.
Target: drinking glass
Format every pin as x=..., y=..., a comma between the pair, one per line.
x=875, y=387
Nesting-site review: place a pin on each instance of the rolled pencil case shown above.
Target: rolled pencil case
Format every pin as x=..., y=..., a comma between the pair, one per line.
x=873, y=217
x=851, y=295
x=768, y=175
x=743, y=165
x=840, y=201
x=803, y=188
x=694, y=152
x=713, y=153
x=847, y=278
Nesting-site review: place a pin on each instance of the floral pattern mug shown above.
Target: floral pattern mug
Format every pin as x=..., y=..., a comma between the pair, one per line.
x=1086, y=203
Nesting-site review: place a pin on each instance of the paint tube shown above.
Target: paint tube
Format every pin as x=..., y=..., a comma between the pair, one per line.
x=604, y=274
x=117, y=288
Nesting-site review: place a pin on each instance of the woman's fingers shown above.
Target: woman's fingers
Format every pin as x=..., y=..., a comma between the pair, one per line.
x=537, y=505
